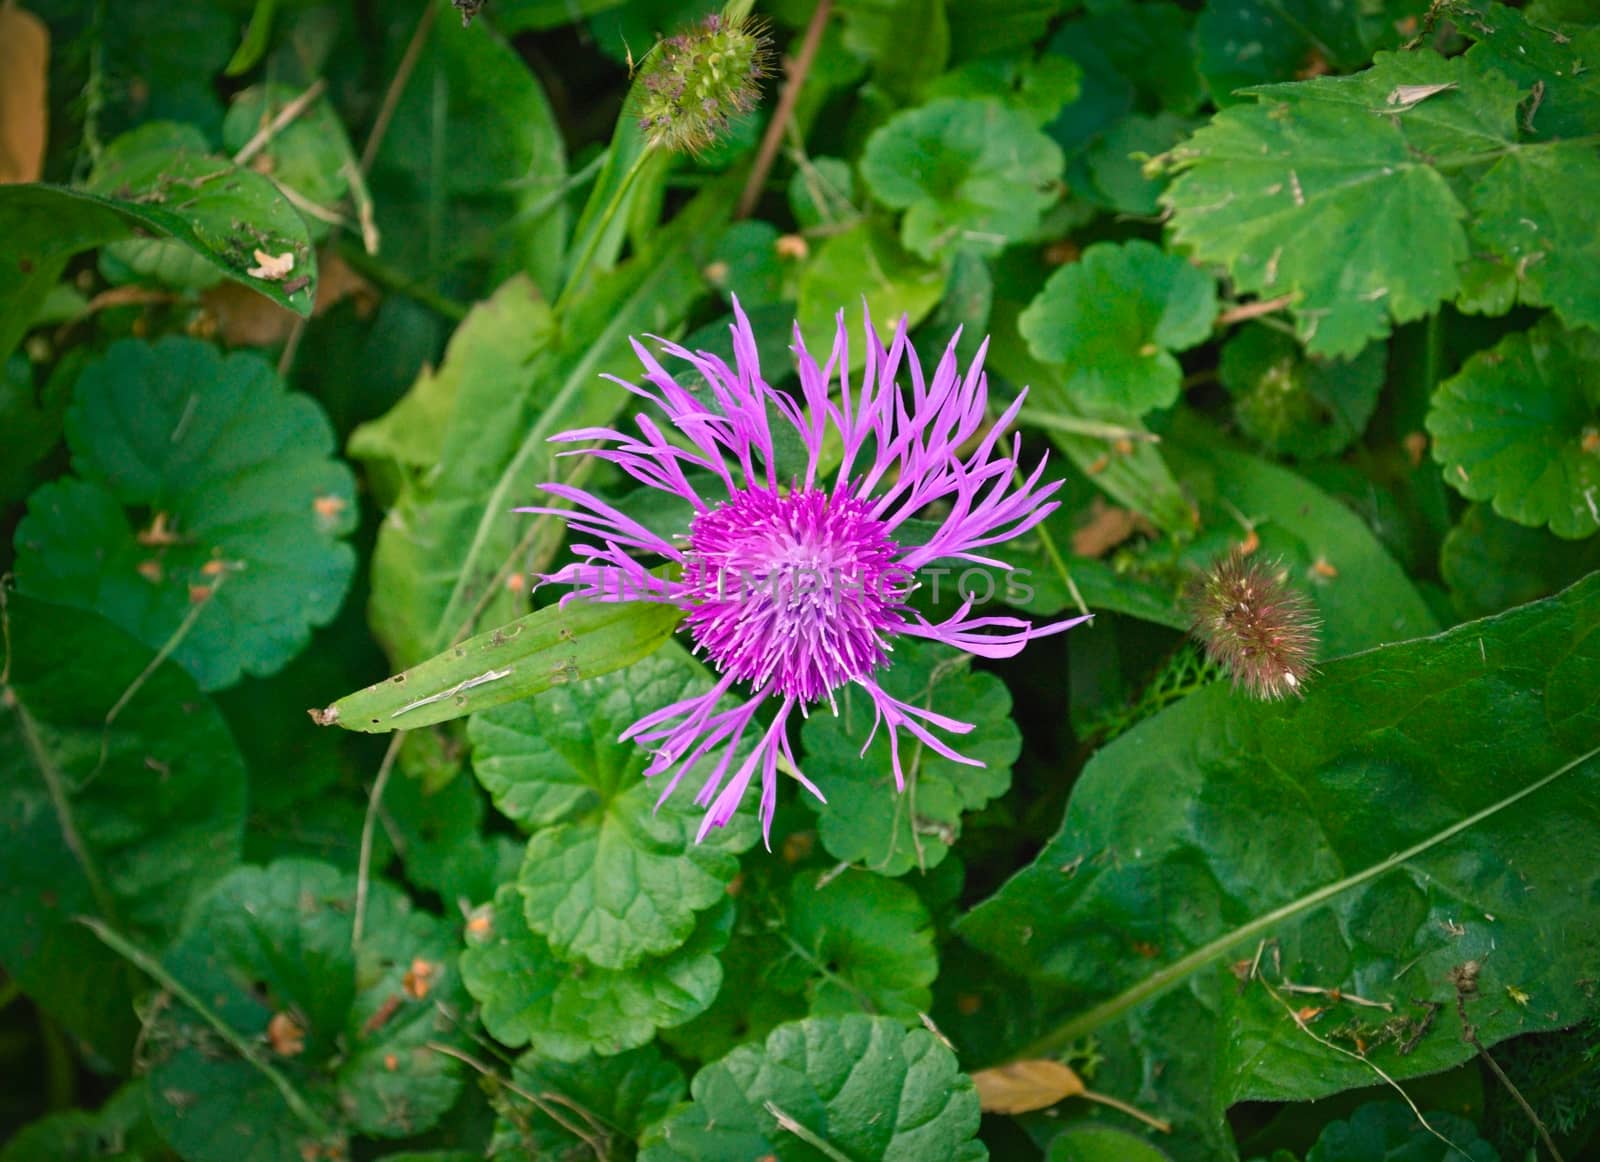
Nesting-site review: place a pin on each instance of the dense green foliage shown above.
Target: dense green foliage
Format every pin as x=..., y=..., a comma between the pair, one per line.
x=293, y=295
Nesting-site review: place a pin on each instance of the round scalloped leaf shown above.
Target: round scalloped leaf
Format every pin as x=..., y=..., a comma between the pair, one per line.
x=269, y=950
x=867, y=262
x=529, y=995
x=618, y=1096
x=608, y=877
x=1036, y=88
x=1115, y=317
x=864, y=1087
x=1491, y=564
x=204, y=483
x=856, y=942
x=1519, y=425
x=967, y=173
x=154, y=800
x=867, y=822
x=1298, y=406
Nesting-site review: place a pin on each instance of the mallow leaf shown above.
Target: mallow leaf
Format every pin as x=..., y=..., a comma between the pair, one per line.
x=856, y=943
x=207, y=513
x=856, y=1087
x=967, y=173
x=1519, y=425
x=1417, y=847
x=867, y=821
x=565, y=1010
x=1115, y=317
x=269, y=951
x=596, y=1103
x=124, y=816
x=609, y=877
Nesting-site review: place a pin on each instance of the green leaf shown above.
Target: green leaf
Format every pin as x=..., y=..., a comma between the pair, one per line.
x=967, y=173
x=209, y=515
x=980, y=29
x=1519, y=425
x=1116, y=162
x=865, y=261
x=31, y=418
x=567, y=1010
x=1557, y=58
x=545, y=649
x=1387, y=1131
x=1401, y=823
x=864, y=1087
x=1089, y=1143
x=613, y=1099
x=274, y=944
x=1114, y=318
x=908, y=41
x=440, y=834
x=1037, y=89
x=609, y=876
x=822, y=192
x=123, y=819
x=1491, y=563
x=1296, y=406
x=311, y=155
x=121, y=1125
x=1543, y=240
x=1308, y=193
x=856, y=943
x=1366, y=601
x=866, y=821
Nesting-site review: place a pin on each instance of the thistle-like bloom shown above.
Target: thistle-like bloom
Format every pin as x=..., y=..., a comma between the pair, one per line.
x=794, y=576
x=1255, y=624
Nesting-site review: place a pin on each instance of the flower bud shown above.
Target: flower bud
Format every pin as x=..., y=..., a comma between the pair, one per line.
x=1254, y=624
x=695, y=83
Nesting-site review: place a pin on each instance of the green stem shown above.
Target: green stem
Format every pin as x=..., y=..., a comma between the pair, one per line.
x=581, y=267
x=1079, y=426
x=1155, y=984
x=241, y=1045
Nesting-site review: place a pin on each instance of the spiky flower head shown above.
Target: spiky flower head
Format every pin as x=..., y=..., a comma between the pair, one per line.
x=1256, y=625
x=795, y=576
x=695, y=83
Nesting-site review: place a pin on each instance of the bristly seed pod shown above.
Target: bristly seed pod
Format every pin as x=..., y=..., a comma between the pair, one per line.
x=695, y=83
x=1254, y=624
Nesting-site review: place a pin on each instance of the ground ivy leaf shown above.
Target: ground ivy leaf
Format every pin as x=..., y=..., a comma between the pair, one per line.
x=1320, y=199
x=608, y=1100
x=269, y=949
x=1298, y=406
x=1519, y=425
x=1035, y=88
x=202, y=481
x=865, y=1086
x=608, y=877
x=866, y=821
x=857, y=943
x=1198, y=804
x=1545, y=240
x=154, y=800
x=1115, y=317
x=565, y=1010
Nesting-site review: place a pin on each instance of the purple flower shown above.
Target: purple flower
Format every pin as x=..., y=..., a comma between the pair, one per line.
x=795, y=585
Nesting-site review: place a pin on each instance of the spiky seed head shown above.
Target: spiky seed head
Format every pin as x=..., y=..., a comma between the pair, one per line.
x=695, y=83
x=1254, y=624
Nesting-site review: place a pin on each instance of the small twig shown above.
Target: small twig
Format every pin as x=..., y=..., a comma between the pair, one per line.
x=313, y=209
x=1077, y=426
x=285, y=116
x=795, y=75
x=1466, y=983
x=368, y=826
x=543, y=1103
x=362, y=197
x=787, y=1122
x=402, y=77
x=1243, y=311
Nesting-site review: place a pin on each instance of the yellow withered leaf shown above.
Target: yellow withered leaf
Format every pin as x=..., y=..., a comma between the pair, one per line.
x=1020, y=1086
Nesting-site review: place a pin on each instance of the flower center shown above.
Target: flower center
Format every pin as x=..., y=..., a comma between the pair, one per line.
x=794, y=591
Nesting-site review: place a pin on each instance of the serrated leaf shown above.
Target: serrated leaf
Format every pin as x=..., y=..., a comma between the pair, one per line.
x=1491, y=564
x=967, y=173
x=1310, y=193
x=565, y=1010
x=124, y=820
x=1519, y=425
x=547, y=648
x=1297, y=406
x=609, y=876
x=1114, y=318
x=1387, y=1131
x=273, y=945
x=209, y=513
x=866, y=1087
x=865, y=261
x=856, y=943
x=598, y=1103
x=867, y=821
x=1199, y=802
x=1557, y=58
